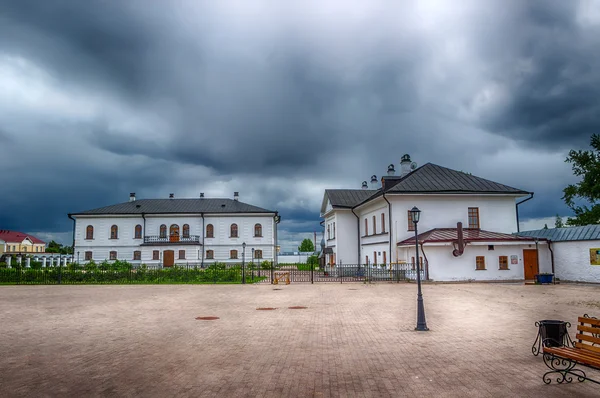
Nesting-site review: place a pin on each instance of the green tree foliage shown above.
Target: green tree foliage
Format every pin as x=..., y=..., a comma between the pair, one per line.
x=559, y=222
x=585, y=164
x=54, y=247
x=306, y=246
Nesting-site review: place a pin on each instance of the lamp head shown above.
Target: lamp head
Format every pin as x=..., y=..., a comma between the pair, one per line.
x=244, y=245
x=416, y=214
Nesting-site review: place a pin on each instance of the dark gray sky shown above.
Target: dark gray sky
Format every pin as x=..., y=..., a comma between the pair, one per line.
x=280, y=101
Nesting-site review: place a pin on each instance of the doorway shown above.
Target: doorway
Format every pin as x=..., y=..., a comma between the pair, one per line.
x=530, y=263
x=168, y=258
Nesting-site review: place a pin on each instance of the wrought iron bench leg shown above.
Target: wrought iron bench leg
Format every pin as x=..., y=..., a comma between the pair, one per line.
x=564, y=368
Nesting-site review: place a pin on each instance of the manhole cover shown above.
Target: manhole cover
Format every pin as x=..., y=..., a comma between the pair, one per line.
x=266, y=309
x=207, y=318
x=297, y=308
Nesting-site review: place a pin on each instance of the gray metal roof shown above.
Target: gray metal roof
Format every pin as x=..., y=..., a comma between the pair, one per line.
x=433, y=178
x=586, y=232
x=348, y=197
x=177, y=206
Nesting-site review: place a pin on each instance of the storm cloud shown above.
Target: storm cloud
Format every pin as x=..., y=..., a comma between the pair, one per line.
x=279, y=100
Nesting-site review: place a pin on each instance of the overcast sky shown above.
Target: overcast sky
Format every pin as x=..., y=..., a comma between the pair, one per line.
x=281, y=99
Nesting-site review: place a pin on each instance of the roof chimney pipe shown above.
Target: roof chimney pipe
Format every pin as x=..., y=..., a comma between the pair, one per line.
x=171, y=195
x=374, y=182
x=391, y=170
x=201, y=195
x=406, y=165
x=236, y=195
x=365, y=185
x=132, y=197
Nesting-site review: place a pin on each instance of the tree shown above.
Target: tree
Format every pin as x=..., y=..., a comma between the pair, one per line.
x=54, y=247
x=585, y=164
x=306, y=246
x=559, y=222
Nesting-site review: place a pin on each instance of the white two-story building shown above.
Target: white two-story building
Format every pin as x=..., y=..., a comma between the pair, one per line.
x=465, y=229
x=176, y=231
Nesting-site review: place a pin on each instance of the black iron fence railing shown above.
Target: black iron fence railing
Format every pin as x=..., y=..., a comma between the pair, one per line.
x=172, y=239
x=121, y=272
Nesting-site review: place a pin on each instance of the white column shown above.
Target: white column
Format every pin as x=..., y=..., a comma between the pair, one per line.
x=64, y=261
x=28, y=262
x=8, y=260
x=19, y=260
x=43, y=262
x=51, y=261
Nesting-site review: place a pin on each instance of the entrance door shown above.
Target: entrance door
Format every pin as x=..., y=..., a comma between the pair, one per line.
x=530, y=263
x=168, y=258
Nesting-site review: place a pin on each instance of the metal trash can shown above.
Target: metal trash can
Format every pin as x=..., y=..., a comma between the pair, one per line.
x=551, y=333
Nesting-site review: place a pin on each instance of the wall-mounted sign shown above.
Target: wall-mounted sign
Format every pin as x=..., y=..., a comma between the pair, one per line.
x=594, y=256
x=514, y=259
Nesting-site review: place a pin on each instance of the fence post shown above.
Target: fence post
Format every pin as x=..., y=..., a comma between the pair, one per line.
x=59, y=272
x=312, y=272
x=272, y=272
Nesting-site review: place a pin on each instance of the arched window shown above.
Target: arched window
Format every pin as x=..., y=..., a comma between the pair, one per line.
x=163, y=231
x=174, y=233
x=210, y=231
x=186, y=231
x=138, y=231
x=89, y=232
x=258, y=230
x=234, y=231
x=114, y=232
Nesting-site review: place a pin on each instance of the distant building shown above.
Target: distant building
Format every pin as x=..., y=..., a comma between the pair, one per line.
x=15, y=242
x=176, y=231
x=465, y=228
x=574, y=252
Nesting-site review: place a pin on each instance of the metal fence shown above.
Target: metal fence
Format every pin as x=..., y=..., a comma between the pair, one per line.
x=208, y=274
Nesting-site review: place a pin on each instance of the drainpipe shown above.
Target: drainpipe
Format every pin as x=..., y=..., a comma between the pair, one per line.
x=552, y=260
x=426, y=262
x=203, y=233
x=517, y=208
x=389, y=224
x=74, y=223
x=144, y=232
x=357, y=234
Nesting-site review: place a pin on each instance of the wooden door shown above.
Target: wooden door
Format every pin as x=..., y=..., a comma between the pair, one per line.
x=168, y=258
x=530, y=263
x=375, y=258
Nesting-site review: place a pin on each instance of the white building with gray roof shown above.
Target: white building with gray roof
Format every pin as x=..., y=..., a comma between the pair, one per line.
x=176, y=231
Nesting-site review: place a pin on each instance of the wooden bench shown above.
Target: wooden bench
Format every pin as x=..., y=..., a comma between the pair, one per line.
x=281, y=274
x=585, y=351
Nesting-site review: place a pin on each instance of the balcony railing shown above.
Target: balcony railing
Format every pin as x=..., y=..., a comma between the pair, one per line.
x=192, y=239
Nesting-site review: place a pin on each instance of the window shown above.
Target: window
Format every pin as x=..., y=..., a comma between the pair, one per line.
x=334, y=230
x=473, y=217
x=24, y=248
x=411, y=224
x=503, y=262
x=490, y=247
x=366, y=260
x=374, y=225
x=258, y=254
x=174, y=230
x=420, y=262
x=113, y=255
x=258, y=230
x=366, y=227
x=89, y=232
x=210, y=231
x=114, y=232
x=137, y=255
x=155, y=255
x=186, y=231
x=210, y=254
x=328, y=231
x=384, y=258
x=88, y=256
x=182, y=254
x=375, y=258
x=382, y=223
x=480, y=263
x=138, y=231
x=163, y=231
x=233, y=231
x=233, y=254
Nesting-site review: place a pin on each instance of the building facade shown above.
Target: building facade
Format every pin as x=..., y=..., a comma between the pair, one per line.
x=15, y=242
x=373, y=225
x=176, y=231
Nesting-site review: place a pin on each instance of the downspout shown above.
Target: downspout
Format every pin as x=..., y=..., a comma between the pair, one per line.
x=389, y=224
x=74, y=223
x=144, y=233
x=552, y=260
x=357, y=234
x=203, y=233
x=517, y=208
x=426, y=262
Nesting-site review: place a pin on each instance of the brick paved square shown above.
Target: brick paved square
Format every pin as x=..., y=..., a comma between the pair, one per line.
x=352, y=340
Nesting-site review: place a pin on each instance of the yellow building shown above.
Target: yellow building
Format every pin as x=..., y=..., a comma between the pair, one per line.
x=14, y=242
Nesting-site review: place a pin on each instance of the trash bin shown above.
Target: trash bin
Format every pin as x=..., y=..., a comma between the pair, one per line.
x=553, y=332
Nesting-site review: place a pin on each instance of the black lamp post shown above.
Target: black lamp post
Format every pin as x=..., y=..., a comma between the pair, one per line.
x=421, y=323
x=243, y=262
x=78, y=257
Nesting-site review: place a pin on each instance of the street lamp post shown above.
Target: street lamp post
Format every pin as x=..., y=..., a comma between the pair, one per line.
x=253, y=264
x=421, y=323
x=243, y=262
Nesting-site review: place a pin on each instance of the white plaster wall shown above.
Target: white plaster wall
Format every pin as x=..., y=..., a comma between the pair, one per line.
x=443, y=266
x=222, y=225
x=378, y=242
x=346, y=241
x=102, y=227
x=496, y=214
x=572, y=261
